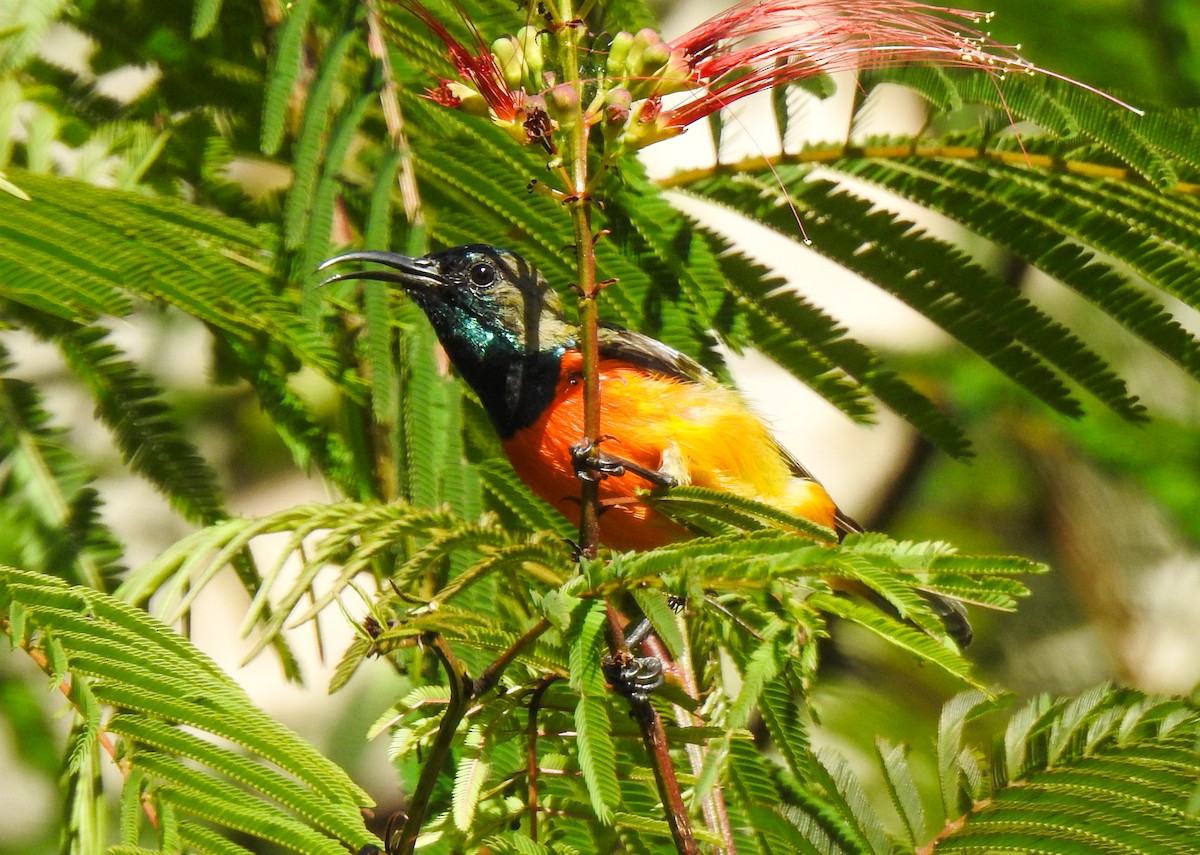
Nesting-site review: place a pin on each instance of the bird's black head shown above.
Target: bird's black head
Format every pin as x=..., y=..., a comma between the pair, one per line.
x=500, y=322
x=477, y=297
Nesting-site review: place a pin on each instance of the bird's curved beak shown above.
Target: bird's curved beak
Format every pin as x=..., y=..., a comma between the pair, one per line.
x=413, y=274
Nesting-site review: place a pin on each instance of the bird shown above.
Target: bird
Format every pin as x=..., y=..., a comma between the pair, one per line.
x=666, y=420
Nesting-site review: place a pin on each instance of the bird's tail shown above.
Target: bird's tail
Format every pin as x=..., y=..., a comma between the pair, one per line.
x=953, y=616
x=951, y=612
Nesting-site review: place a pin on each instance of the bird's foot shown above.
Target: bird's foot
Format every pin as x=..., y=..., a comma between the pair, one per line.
x=635, y=677
x=591, y=464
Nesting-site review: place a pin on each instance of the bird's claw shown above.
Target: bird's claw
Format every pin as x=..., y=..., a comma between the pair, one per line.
x=633, y=676
x=591, y=464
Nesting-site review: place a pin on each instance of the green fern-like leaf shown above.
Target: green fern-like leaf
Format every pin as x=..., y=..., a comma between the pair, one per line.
x=47, y=493
x=1013, y=208
x=1111, y=769
x=285, y=70
x=165, y=689
x=597, y=754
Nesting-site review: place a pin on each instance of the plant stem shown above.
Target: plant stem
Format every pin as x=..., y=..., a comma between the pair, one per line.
x=535, y=706
x=463, y=690
x=716, y=814
x=384, y=430
x=439, y=752
x=579, y=203
x=655, y=739
x=492, y=674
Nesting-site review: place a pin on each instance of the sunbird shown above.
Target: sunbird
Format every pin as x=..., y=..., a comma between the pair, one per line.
x=667, y=421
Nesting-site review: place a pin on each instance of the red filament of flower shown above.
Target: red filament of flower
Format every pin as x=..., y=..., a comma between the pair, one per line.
x=827, y=36
x=477, y=68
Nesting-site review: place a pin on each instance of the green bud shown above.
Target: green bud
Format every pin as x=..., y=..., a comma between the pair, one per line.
x=654, y=57
x=647, y=126
x=617, y=103
x=562, y=102
x=511, y=60
x=615, y=113
x=618, y=54
x=645, y=38
x=674, y=75
x=529, y=39
x=472, y=102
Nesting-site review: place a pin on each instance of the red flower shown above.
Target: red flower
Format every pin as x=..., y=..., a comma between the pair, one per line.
x=477, y=68
x=813, y=37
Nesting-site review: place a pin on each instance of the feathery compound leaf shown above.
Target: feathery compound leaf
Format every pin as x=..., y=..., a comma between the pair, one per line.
x=761, y=669
x=781, y=706
x=308, y=156
x=47, y=492
x=1033, y=214
x=703, y=507
x=955, y=715
x=469, y=778
x=503, y=485
x=284, y=72
x=787, y=328
x=896, y=632
x=794, y=333
x=145, y=429
x=597, y=752
x=875, y=245
x=204, y=17
x=840, y=783
x=1109, y=770
x=902, y=789
x=206, y=265
x=161, y=684
x=1063, y=109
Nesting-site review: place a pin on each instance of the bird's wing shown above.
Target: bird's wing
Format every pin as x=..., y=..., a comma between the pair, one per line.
x=630, y=346
x=845, y=524
x=617, y=342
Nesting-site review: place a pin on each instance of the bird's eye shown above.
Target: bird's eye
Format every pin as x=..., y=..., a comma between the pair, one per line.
x=482, y=274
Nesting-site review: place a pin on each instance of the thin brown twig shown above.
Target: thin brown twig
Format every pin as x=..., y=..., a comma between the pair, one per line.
x=463, y=690
x=439, y=752
x=952, y=826
x=716, y=813
x=406, y=180
x=492, y=674
x=535, y=705
x=394, y=118
x=579, y=204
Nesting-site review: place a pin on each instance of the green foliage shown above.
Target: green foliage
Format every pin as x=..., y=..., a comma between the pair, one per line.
x=508, y=735
x=166, y=702
x=1105, y=769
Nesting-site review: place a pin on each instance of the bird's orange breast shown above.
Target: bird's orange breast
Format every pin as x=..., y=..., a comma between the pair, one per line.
x=700, y=433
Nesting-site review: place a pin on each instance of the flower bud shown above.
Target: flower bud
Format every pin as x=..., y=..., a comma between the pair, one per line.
x=615, y=113
x=511, y=60
x=618, y=55
x=654, y=57
x=645, y=38
x=676, y=74
x=617, y=104
x=562, y=102
x=648, y=124
x=529, y=39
